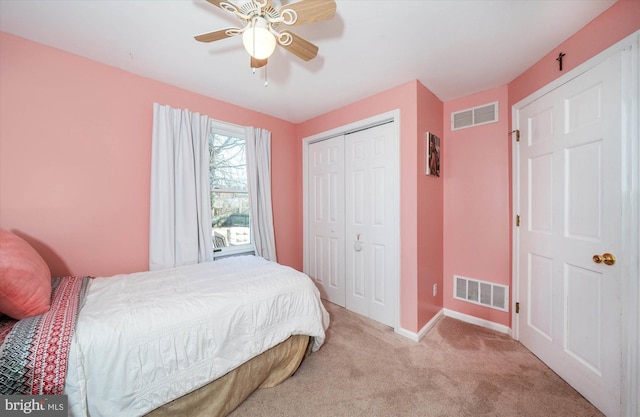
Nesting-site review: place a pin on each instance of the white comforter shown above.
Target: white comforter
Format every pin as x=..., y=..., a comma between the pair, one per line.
x=147, y=338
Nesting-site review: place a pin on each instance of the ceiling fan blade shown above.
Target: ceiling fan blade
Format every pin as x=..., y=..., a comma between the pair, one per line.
x=300, y=47
x=215, y=36
x=310, y=11
x=226, y=5
x=258, y=63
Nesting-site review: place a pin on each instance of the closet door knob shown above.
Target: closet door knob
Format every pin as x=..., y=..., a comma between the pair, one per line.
x=606, y=258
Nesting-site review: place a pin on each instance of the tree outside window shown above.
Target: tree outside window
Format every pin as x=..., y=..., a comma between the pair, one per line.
x=230, y=229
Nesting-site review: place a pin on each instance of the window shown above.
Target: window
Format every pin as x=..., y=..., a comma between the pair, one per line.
x=229, y=192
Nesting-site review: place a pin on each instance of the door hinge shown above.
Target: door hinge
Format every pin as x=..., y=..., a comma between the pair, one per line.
x=517, y=220
x=517, y=132
x=517, y=308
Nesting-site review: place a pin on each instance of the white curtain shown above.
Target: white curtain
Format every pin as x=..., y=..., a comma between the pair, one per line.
x=180, y=215
x=259, y=179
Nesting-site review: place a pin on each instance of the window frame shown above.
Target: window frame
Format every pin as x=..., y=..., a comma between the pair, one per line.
x=228, y=129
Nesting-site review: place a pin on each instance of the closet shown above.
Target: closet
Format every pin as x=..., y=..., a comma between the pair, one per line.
x=351, y=217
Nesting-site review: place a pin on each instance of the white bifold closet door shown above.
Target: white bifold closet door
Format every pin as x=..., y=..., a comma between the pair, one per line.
x=326, y=218
x=353, y=221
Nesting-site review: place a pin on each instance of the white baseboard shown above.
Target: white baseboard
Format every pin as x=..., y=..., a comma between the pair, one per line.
x=478, y=322
x=416, y=337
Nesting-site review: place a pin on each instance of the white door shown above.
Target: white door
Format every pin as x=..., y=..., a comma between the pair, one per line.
x=326, y=217
x=570, y=208
x=371, y=182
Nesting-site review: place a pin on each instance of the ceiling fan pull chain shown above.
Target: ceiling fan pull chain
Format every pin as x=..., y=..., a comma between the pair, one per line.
x=266, y=82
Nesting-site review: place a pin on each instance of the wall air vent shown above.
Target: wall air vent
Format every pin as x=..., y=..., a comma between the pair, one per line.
x=476, y=116
x=480, y=292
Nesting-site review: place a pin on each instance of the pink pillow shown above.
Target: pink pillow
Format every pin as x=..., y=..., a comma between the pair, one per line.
x=25, y=279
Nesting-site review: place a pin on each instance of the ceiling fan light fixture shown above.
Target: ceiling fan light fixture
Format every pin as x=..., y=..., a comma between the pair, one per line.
x=261, y=20
x=258, y=40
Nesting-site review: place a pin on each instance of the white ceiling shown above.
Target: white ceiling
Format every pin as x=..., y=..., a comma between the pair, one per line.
x=455, y=48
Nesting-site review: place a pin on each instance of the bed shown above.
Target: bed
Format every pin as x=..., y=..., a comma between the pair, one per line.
x=195, y=340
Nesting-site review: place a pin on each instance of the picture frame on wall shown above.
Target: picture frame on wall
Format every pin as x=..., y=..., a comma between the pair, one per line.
x=432, y=154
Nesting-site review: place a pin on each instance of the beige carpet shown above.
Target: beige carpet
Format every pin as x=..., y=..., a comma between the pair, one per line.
x=458, y=369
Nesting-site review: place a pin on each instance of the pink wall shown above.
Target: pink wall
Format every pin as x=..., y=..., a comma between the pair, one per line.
x=430, y=250
x=477, y=202
x=75, y=146
x=420, y=111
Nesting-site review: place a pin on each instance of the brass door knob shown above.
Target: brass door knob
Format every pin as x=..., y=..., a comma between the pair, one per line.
x=606, y=258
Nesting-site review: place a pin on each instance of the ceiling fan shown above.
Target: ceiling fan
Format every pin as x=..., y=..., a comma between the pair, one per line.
x=262, y=18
